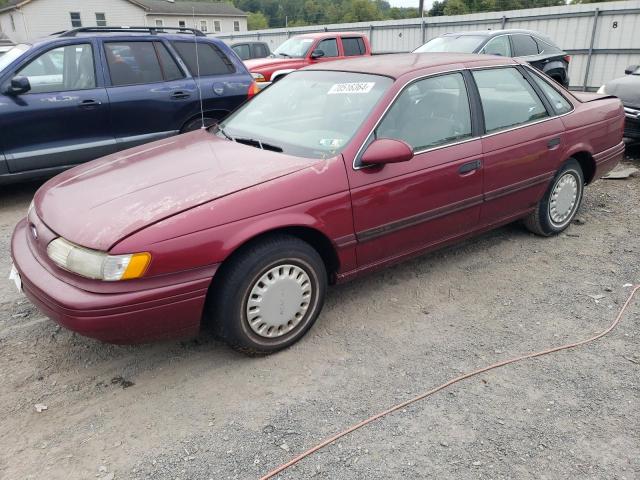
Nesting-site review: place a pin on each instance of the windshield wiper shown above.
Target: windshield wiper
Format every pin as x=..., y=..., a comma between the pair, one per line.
x=221, y=130
x=258, y=144
x=284, y=54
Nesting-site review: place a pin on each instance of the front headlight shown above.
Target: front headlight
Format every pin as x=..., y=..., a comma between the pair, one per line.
x=602, y=89
x=258, y=77
x=97, y=265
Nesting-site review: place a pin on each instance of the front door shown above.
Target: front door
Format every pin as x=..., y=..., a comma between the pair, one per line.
x=403, y=208
x=63, y=119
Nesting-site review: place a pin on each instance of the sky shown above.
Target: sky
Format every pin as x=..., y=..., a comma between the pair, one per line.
x=410, y=3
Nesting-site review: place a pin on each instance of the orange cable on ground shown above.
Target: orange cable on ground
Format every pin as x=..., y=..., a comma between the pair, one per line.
x=424, y=395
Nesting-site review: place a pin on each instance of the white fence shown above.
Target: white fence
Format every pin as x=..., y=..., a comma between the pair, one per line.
x=602, y=38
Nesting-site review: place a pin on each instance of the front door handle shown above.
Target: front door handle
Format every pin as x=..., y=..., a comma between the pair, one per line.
x=553, y=143
x=89, y=103
x=469, y=167
x=179, y=95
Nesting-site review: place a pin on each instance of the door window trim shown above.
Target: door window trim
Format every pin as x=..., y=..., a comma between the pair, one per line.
x=530, y=71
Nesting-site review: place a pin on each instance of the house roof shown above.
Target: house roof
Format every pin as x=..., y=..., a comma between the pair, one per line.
x=165, y=7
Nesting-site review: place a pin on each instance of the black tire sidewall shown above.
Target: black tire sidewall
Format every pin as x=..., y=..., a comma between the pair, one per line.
x=196, y=123
x=548, y=226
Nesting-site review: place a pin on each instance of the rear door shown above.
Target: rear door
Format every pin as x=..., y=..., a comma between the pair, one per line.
x=63, y=119
x=522, y=146
x=402, y=208
x=151, y=96
x=353, y=46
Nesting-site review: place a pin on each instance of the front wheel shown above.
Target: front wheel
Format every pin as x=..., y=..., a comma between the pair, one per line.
x=559, y=206
x=269, y=296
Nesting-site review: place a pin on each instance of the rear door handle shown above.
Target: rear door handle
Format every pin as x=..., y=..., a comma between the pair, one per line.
x=469, y=167
x=553, y=143
x=89, y=103
x=179, y=95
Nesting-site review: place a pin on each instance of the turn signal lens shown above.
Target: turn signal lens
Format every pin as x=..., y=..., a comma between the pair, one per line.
x=97, y=265
x=253, y=89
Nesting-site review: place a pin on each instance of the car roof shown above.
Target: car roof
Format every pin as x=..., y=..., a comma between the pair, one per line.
x=491, y=33
x=124, y=34
x=396, y=65
x=329, y=34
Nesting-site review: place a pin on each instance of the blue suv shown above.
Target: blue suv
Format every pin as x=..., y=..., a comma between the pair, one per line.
x=89, y=92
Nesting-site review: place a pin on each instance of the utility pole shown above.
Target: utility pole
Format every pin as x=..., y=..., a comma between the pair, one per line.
x=421, y=8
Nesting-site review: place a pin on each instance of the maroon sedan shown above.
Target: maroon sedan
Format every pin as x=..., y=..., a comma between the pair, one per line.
x=362, y=163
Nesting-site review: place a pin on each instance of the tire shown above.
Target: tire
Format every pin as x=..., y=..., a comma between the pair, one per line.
x=286, y=274
x=553, y=215
x=196, y=124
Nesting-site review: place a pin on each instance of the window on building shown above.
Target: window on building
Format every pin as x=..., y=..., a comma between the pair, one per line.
x=76, y=21
x=134, y=63
x=62, y=69
x=507, y=98
x=159, y=23
x=203, y=25
x=429, y=113
x=211, y=60
x=236, y=26
x=13, y=23
x=216, y=26
x=182, y=23
x=101, y=20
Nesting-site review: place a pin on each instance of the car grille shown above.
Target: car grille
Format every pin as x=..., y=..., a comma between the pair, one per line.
x=632, y=123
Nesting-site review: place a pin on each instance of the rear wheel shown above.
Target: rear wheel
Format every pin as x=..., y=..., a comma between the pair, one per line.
x=559, y=206
x=269, y=296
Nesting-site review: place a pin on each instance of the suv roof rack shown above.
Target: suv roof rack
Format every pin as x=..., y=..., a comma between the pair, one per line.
x=152, y=30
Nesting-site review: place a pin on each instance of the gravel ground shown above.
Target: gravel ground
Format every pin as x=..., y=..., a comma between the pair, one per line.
x=197, y=410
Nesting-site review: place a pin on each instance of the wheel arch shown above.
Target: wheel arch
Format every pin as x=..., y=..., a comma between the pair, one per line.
x=587, y=164
x=219, y=114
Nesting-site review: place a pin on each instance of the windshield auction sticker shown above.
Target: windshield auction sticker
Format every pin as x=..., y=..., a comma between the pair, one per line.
x=347, y=88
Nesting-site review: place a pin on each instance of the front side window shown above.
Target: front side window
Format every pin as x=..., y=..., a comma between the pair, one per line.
x=524, y=46
x=429, y=113
x=353, y=46
x=329, y=47
x=236, y=26
x=312, y=114
x=13, y=54
x=210, y=60
x=243, y=51
x=260, y=51
x=76, y=21
x=135, y=63
x=460, y=44
x=507, y=98
x=498, y=46
x=101, y=20
x=560, y=104
x=61, y=69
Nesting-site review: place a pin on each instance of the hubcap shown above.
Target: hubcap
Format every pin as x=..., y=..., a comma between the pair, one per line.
x=278, y=301
x=563, y=199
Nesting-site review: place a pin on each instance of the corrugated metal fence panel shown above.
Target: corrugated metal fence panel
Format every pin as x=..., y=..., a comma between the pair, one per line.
x=616, y=42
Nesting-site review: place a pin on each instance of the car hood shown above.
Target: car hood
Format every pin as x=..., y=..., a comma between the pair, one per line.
x=260, y=64
x=101, y=202
x=627, y=89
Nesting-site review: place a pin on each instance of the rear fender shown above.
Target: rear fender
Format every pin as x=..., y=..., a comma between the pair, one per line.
x=281, y=73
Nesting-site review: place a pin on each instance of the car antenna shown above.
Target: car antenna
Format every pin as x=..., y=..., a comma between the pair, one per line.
x=195, y=39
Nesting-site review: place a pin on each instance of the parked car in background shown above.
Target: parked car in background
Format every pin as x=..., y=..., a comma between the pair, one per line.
x=5, y=44
x=532, y=47
x=249, y=50
x=308, y=49
x=410, y=153
x=91, y=91
x=627, y=89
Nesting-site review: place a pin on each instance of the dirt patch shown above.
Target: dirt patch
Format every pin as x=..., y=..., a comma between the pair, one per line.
x=198, y=410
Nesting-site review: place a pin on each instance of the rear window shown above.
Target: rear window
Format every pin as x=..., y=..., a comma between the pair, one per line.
x=210, y=60
x=461, y=44
x=353, y=46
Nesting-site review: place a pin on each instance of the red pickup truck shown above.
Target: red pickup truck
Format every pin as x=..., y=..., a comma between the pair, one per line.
x=308, y=49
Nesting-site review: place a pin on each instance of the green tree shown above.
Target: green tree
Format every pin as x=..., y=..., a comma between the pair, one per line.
x=257, y=21
x=455, y=7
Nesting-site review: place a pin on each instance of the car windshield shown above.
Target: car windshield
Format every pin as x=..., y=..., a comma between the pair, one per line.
x=461, y=44
x=636, y=71
x=12, y=54
x=311, y=114
x=293, y=48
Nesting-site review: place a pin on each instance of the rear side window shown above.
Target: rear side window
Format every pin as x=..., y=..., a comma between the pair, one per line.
x=429, y=113
x=329, y=47
x=353, y=46
x=260, y=50
x=546, y=47
x=560, y=104
x=524, y=45
x=61, y=69
x=210, y=60
x=508, y=99
x=134, y=63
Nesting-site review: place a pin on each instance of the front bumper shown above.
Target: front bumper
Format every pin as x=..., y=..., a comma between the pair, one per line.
x=632, y=123
x=171, y=310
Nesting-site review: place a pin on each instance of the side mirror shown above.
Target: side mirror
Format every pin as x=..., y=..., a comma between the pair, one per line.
x=19, y=84
x=630, y=69
x=317, y=54
x=387, y=150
